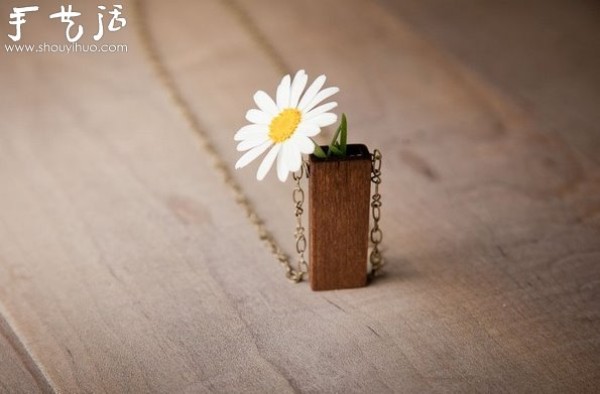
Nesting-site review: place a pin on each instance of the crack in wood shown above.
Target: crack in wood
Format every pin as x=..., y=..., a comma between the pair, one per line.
x=29, y=363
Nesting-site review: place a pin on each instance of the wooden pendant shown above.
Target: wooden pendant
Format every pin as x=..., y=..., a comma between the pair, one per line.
x=339, y=193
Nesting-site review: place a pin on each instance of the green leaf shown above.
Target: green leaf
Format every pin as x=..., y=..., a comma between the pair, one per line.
x=336, y=150
x=334, y=140
x=319, y=152
x=338, y=145
x=344, y=134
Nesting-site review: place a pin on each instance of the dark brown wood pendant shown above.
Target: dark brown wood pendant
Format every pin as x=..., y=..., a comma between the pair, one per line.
x=339, y=193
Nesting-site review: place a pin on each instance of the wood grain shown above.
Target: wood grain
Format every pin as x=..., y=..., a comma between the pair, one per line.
x=339, y=192
x=557, y=80
x=127, y=266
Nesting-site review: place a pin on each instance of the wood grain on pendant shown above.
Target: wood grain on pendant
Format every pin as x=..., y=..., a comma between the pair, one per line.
x=339, y=191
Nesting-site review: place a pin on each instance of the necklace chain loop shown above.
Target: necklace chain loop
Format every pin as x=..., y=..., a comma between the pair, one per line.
x=293, y=274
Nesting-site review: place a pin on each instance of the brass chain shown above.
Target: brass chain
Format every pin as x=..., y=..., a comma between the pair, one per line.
x=222, y=167
x=298, y=197
x=376, y=235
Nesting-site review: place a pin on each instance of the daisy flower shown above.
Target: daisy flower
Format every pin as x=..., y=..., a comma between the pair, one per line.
x=285, y=125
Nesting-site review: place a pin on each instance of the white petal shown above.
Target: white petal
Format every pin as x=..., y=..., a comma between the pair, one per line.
x=312, y=91
x=298, y=85
x=304, y=144
x=283, y=93
x=293, y=157
x=267, y=163
x=252, y=154
x=265, y=103
x=282, y=171
x=308, y=129
x=324, y=120
x=250, y=131
x=320, y=110
x=258, y=117
x=251, y=143
x=322, y=95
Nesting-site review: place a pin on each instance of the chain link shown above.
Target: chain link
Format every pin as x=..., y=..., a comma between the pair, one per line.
x=376, y=235
x=298, y=197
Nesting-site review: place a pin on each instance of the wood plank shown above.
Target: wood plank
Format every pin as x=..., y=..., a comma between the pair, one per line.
x=114, y=252
x=138, y=271
x=485, y=204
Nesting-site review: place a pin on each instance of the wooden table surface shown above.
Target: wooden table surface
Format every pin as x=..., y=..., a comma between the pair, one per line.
x=126, y=264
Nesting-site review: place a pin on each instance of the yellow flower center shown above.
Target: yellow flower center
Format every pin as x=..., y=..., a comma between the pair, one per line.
x=283, y=125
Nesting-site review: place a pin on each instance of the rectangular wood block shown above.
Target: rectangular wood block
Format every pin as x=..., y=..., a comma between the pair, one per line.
x=339, y=193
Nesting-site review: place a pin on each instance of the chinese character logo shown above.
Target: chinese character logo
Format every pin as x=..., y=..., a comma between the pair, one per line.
x=112, y=24
x=17, y=18
x=66, y=17
x=73, y=31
